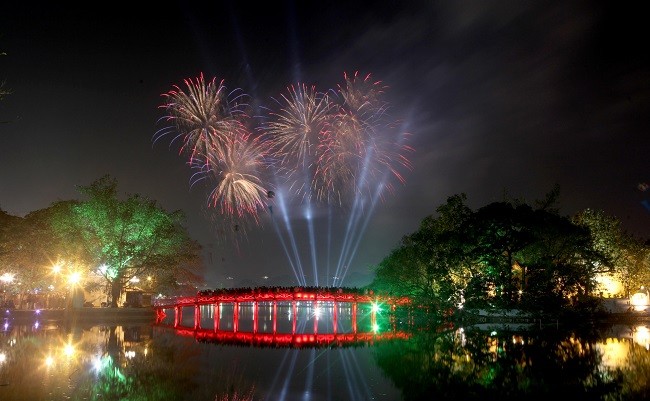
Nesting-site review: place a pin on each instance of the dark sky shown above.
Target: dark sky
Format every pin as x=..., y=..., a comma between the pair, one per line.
x=499, y=97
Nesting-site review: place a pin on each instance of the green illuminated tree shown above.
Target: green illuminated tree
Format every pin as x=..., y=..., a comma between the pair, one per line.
x=506, y=254
x=123, y=239
x=430, y=266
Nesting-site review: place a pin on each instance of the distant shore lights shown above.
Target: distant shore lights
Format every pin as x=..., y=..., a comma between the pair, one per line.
x=640, y=299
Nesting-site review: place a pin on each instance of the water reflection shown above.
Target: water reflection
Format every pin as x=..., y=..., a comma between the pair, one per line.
x=58, y=361
x=499, y=363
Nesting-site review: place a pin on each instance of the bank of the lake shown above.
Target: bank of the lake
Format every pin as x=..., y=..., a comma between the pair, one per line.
x=84, y=314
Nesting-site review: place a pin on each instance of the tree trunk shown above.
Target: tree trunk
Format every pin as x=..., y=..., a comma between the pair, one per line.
x=116, y=291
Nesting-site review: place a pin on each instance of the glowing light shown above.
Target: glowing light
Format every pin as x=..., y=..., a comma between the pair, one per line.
x=49, y=361
x=609, y=285
x=68, y=350
x=639, y=301
x=375, y=307
x=97, y=364
x=74, y=278
x=642, y=336
x=614, y=352
x=3, y=357
x=7, y=278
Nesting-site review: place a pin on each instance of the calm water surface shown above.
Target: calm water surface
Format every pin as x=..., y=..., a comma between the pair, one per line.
x=368, y=358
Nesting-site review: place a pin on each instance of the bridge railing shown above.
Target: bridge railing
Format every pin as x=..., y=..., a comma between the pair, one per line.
x=278, y=295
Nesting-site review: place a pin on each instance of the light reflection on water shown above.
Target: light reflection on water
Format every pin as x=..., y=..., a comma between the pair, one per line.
x=142, y=361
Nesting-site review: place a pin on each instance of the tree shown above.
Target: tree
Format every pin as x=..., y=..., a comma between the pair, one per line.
x=428, y=265
x=505, y=254
x=124, y=239
x=8, y=223
x=629, y=257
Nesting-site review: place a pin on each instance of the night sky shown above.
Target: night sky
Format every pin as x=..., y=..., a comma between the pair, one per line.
x=500, y=98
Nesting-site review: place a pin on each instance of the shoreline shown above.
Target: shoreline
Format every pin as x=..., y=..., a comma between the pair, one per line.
x=82, y=314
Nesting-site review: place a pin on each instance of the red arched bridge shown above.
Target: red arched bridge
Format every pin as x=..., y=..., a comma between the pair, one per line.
x=279, y=316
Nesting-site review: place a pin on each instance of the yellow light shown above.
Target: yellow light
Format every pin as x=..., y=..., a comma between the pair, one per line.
x=56, y=269
x=68, y=350
x=614, y=352
x=639, y=300
x=609, y=285
x=74, y=278
x=7, y=278
x=49, y=361
x=642, y=336
x=3, y=357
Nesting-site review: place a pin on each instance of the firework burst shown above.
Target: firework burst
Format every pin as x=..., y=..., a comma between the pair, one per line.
x=237, y=168
x=203, y=116
x=359, y=147
x=294, y=132
x=330, y=146
x=296, y=128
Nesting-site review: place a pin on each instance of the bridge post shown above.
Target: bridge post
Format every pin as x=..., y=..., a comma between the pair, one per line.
x=335, y=316
x=294, y=312
x=235, y=317
x=178, y=311
x=354, y=317
x=315, y=307
x=217, y=317
x=197, y=316
x=255, y=308
x=275, y=316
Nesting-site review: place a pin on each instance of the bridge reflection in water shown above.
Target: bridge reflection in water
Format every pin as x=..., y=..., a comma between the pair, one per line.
x=283, y=317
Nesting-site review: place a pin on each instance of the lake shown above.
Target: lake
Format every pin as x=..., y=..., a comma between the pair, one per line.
x=372, y=358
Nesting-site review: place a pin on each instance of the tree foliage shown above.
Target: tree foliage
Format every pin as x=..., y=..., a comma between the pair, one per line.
x=505, y=254
x=124, y=239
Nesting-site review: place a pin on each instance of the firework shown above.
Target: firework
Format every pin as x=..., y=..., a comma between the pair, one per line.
x=361, y=146
x=363, y=97
x=294, y=130
x=237, y=168
x=330, y=146
x=203, y=116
